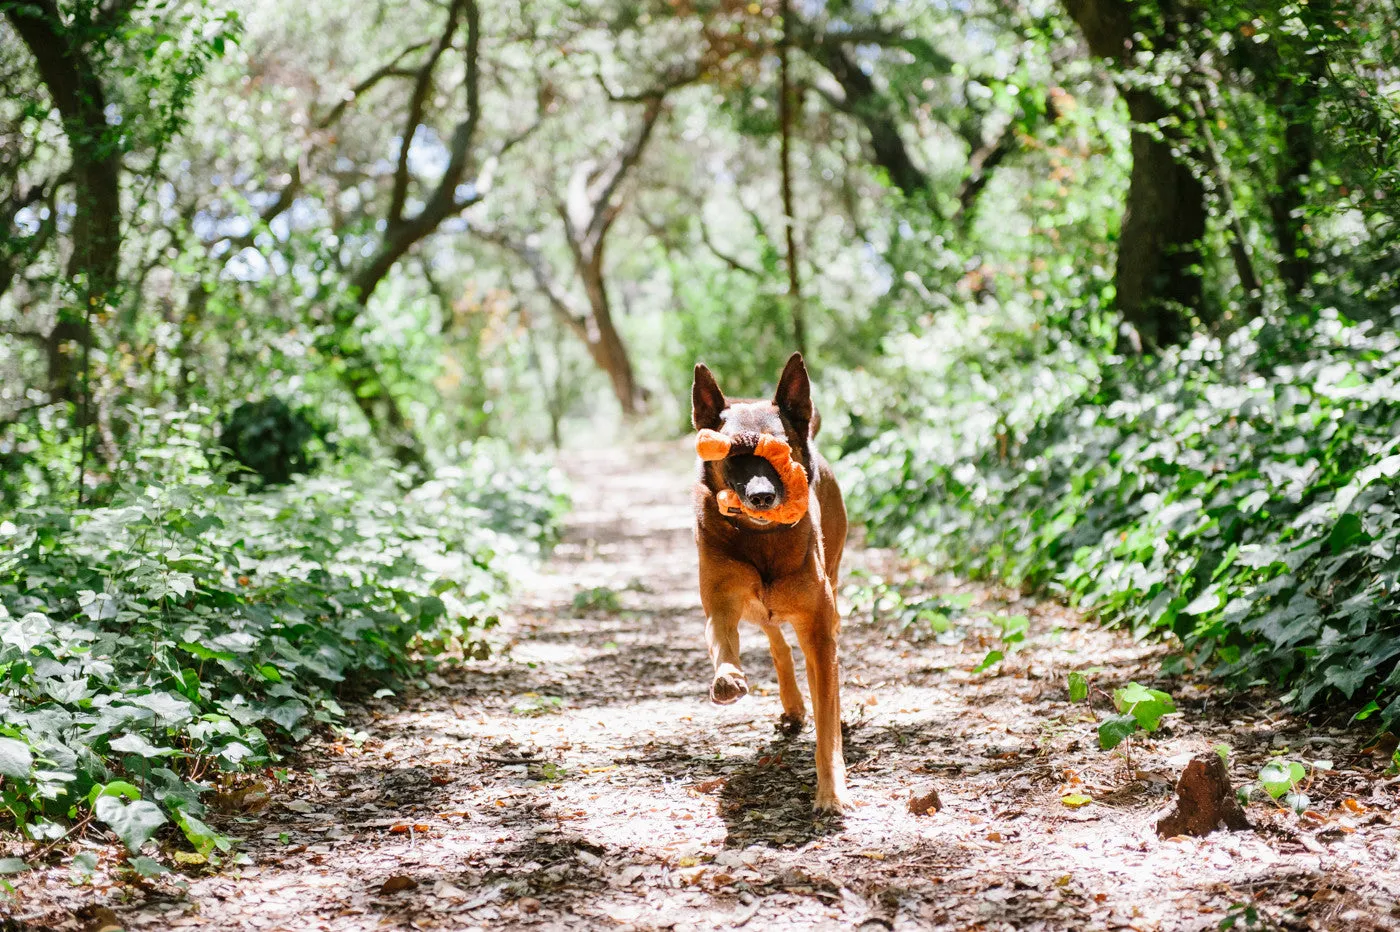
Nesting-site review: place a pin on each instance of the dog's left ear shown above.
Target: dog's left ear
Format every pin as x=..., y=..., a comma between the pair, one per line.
x=706, y=400
x=794, y=395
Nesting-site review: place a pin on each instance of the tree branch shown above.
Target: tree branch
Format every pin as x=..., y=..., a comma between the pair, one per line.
x=558, y=301
x=727, y=259
x=604, y=210
x=443, y=202
x=980, y=165
x=865, y=102
x=391, y=70
x=421, y=86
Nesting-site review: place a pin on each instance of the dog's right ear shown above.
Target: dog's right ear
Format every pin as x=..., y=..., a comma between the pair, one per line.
x=706, y=400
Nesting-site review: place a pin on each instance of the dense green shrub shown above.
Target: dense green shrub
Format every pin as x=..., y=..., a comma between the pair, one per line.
x=1240, y=495
x=271, y=439
x=190, y=624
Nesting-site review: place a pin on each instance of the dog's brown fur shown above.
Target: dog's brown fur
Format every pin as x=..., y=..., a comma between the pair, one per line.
x=769, y=574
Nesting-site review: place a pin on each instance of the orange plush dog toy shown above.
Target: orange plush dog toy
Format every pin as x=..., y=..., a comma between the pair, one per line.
x=713, y=446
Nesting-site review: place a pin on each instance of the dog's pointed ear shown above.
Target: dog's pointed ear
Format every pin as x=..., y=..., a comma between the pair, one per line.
x=794, y=395
x=706, y=400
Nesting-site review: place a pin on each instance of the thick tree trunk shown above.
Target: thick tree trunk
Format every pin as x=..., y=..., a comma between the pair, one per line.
x=1288, y=199
x=1158, y=273
x=76, y=89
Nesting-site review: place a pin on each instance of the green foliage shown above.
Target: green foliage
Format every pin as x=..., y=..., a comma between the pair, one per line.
x=1279, y=777
x=1242, y=916
x=597, y=599
x=191, y=624
x=271, y=439
x=1139, y=709
x=1238, y=494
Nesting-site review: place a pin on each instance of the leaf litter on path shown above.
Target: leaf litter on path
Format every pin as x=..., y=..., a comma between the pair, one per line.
x=581, y=780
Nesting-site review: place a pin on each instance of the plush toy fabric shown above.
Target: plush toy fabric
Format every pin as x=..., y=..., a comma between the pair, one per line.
x=713, y=446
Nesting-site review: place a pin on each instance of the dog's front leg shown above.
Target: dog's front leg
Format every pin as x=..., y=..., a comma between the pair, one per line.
x=722, y=634
x=818, y=640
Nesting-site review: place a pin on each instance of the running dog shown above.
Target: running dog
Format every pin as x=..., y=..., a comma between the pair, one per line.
x=768, y=573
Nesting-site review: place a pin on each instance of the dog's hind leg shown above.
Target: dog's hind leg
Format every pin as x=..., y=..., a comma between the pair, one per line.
x=818, y=639
x=794, y=710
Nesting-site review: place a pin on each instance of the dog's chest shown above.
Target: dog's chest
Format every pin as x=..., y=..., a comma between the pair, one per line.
x=776, y=556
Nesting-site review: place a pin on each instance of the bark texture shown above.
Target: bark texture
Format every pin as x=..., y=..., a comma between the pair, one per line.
x=1158, y=272
x=76, y=89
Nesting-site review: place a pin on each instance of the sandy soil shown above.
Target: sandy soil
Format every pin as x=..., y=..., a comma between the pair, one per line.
x=581, y=780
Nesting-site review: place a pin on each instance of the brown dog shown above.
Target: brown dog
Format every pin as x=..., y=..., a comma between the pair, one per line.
x=769, y=573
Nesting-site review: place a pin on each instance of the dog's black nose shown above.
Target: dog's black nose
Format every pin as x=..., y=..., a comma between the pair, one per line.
x=760, y=492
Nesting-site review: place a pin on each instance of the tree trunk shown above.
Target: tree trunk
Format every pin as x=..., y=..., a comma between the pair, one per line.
x=76, y=89
x=361, y=378
x=605, y=345
x=359, y=370
x=1288, y=199
x=799, y=324
x=1158, y=273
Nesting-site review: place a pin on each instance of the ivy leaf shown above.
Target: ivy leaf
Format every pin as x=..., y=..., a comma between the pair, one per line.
x=148, y=867
x=1347, y=531
x=15, y=759
x=170, y=709
x=132, y=743
x=1281, y=776
x=134, y=823
x=1078, y=687
x=115, y=788
x=1114, y=730
x=13, y=866
x=1146, y=706
x=1205, y=602
x=288, y=713
x=993, y=657
x=204, y=838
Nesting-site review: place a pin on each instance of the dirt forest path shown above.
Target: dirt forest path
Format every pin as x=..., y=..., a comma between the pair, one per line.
x=581, y=780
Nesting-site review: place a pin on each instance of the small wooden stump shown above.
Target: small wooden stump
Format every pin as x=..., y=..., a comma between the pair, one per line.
x=1205, y=801
x=926, y=802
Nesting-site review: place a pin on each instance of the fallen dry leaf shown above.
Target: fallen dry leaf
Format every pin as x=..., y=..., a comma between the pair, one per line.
x=398, y=883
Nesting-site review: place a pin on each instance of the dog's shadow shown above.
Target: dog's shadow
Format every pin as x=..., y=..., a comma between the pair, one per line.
x=768, y=800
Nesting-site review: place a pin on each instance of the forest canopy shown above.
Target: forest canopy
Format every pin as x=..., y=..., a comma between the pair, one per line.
x=1099, y=296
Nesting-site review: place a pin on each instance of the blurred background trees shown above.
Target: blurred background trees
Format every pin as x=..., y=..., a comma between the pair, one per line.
x=417, y=217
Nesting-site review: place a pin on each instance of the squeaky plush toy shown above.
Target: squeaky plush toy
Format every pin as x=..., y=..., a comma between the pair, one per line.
x=713, y=446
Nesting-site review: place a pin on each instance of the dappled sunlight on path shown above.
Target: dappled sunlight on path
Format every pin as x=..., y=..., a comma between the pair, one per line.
x=581, y=780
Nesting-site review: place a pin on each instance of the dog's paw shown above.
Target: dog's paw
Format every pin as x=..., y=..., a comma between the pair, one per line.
x=728, y=687
x=832, y=802
x=790, y=725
